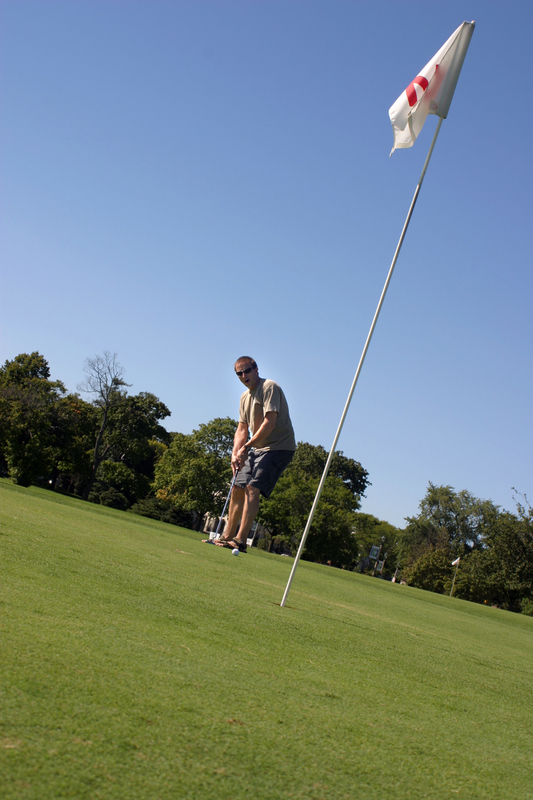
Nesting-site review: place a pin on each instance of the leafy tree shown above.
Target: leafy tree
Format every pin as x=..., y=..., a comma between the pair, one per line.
x=502, y=575
x=311, y=459
x=496, y=549
x=131, y=444
x=28, y=405
x=74, y=425
x=195, y=472
x=216, y=437
x=110, y=445
x=453, y=521
x=104, y=380
x=369, y=531
x=286, y=512
x=432, y=571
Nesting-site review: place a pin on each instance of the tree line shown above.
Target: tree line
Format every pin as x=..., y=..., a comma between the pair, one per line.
x=112, y=449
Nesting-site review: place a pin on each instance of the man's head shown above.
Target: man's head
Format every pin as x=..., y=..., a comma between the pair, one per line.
x=247, y=372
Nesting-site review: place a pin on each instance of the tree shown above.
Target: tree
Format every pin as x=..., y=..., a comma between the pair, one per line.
x=311, y=459
x=432, y=571
x=285, y=513
x=74, y=425
x=131, y=446
x=216, y=437
x=369, y=531
x=453, y=521
x=496, y=548
x=195, y=472
x=502, y=574
x=28, y=406
x=104, y=380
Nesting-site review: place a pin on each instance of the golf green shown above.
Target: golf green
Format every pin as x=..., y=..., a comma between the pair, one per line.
x=138, y=662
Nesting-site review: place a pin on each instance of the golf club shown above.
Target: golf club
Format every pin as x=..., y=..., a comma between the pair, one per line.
x=217, y=534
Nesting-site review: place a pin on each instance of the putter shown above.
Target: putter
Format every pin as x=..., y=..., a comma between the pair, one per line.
x=216, y=535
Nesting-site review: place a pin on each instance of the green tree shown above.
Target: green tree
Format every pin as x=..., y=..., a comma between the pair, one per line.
x=74, y=425
x=104, y=381
x=432, y=571
x=502, y=574
x=311, y=459
x=456, y=522
x=28, y=411
x=496, y=549
x=129, y=449
x=368, y=531
x=195, y=472
x=216, y=437
x=286, y=512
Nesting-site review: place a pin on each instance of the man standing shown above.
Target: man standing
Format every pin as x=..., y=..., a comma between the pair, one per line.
x=260, y=459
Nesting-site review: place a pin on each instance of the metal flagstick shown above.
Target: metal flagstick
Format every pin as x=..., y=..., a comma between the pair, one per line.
x=456, y=562
x=361, y=361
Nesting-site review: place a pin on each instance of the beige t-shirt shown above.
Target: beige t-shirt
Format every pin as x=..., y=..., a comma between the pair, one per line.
x=268, y=396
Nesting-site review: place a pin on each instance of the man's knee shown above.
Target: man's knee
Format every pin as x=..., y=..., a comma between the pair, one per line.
x=253, y=493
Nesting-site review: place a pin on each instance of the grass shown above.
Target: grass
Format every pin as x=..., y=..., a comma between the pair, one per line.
x=137, y=662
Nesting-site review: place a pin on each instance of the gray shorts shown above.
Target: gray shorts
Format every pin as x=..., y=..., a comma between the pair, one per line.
x=263, y=468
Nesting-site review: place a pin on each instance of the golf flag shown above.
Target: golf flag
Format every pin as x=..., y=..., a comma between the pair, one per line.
x=456, y=562
x=431, y=92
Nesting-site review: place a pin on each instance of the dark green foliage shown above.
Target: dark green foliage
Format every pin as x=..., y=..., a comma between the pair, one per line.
x=113, y=499
x=195, y=471
x=154, y=508
x=457, y=521
x=28, y=416
x=216, y=437
x=432, y=571
x=311, y=459
x=495, y=547
x=505, y=567
x=286, y=512
x=106, y=449
x=126, y=425
x=369, y=531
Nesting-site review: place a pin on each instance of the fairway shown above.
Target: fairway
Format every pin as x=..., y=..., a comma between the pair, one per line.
x=137, y=662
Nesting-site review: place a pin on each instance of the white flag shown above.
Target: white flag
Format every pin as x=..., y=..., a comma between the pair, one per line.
x=457, y=560
x=432, y=90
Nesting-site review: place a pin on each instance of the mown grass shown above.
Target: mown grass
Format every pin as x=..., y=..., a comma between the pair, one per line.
x=138, y=662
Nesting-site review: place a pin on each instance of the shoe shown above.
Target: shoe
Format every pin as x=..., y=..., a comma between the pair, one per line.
x=232, y=544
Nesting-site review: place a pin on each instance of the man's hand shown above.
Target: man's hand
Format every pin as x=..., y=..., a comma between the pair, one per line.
x=238, y=460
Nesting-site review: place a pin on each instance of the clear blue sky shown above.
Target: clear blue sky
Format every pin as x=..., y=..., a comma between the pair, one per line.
x=185, y=182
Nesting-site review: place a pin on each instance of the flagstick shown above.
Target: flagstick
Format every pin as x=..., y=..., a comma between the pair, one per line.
x=454, y=577
x=361, y=361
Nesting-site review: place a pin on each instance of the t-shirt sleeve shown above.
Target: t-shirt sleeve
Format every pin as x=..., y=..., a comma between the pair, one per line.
x=242, y=411
x=271, y=397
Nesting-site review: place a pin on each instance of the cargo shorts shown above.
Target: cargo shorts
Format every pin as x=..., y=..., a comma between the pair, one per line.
x=263, y=468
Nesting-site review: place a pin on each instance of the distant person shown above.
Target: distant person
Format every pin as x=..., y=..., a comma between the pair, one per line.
x=260, y=459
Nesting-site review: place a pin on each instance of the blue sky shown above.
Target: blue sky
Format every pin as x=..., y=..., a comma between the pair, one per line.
x=186, y=182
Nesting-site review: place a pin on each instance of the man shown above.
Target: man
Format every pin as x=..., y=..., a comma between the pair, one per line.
x=260, y=459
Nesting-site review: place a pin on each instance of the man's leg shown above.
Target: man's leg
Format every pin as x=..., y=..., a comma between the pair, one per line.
x=249, y=512
x=235, y=513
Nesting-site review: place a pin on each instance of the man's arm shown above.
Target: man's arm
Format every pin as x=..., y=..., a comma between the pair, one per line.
x=267, y=426
x=239, y=440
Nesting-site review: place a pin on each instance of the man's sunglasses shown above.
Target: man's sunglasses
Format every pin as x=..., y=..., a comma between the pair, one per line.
x=243, y=372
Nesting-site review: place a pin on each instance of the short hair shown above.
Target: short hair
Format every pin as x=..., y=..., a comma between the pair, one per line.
x=245, y=358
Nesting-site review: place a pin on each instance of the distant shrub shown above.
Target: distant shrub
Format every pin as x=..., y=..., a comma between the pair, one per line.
x=264, y=543
x=527, y=607
x=114, y=499
x=163, y=510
